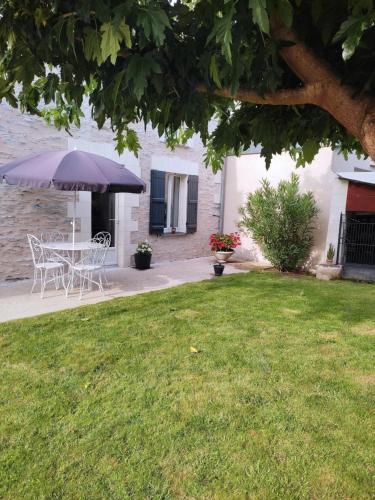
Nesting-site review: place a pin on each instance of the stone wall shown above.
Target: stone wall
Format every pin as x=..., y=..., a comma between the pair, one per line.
x=176, y=247
x=24, y=210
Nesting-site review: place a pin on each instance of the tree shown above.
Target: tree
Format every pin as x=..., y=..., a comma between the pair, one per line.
x=287, y=74
x=287, y=241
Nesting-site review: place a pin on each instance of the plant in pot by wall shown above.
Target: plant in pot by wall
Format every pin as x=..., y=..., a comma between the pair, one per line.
x=330, y=254
x=224, y=244
x=218, y=269
x=143, y=255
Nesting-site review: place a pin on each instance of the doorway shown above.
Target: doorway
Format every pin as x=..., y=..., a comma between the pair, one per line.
x=103, y=218
x=357, y=239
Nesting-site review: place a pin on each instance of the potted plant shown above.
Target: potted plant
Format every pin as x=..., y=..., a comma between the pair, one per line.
x=224, y=244
x=218, y=269
x=143, y=255
x=330, y=254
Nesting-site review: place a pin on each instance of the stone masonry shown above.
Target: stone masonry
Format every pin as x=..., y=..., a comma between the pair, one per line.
x=24, y=210
x=176, y=247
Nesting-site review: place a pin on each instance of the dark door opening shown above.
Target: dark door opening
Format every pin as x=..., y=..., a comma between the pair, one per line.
x=103, y=214
x=359, y=239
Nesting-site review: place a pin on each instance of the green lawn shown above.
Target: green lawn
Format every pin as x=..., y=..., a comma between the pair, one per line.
x=107, y=401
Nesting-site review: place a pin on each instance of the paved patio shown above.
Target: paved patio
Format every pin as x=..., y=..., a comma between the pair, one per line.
x=17, y=302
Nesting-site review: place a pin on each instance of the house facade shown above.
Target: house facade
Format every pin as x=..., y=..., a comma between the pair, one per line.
x=179, y=210
x=184, y=201
x=344, y=190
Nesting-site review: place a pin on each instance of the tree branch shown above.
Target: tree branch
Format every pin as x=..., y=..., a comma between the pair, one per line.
x=334, y=97
x=300, y=58
x=285, y=97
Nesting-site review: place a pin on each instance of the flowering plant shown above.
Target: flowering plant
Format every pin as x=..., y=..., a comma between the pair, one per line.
x=144, y=248
x=224, y=242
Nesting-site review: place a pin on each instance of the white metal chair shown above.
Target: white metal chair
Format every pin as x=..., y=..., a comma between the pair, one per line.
x=44, y=267
x=103, y=238
x=52, y=236
x=92, y=263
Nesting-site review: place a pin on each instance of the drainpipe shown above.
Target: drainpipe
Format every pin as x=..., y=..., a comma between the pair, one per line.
x=222, y=195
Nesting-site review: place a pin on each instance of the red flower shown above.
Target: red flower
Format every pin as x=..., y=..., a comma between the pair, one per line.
x=224, y=242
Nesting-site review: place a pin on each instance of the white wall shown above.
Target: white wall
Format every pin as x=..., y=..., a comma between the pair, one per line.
x=337, y=207
x=339, y=164
x=243, y=175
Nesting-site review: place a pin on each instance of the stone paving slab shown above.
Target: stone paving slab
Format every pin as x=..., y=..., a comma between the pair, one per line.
x=17, y=302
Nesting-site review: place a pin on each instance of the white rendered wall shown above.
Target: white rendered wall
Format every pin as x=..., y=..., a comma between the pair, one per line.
x=337, y=207
x=339, y=164
x=243, y=176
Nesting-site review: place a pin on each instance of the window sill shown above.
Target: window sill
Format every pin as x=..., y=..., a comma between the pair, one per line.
x=168, y=235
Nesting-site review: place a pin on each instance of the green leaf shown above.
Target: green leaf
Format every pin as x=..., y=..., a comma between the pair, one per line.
x=110, y=44
x=91, y=46
x=116, y=85
x=138, y=71
x=351, y=31
x=40, y=16
x=154, y=22
x=260, y=16
x=112, y=36
x=70, y=29
x=222, y=33
x=285, y=11
x=126, y=138
x=124, y=30
x=214, y=71
x=310, y=148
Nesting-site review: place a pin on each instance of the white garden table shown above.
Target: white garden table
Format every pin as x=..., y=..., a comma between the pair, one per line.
x=70, y=247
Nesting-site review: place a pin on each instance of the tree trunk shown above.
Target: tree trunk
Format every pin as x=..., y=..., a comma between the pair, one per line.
x=356, y=114
x=368, y=133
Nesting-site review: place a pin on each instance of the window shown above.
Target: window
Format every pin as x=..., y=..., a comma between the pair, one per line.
x=173, y=203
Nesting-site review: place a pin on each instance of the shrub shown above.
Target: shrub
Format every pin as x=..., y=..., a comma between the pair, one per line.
x=281, y=221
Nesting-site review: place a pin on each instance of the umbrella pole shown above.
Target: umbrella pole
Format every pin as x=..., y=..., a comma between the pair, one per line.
x=71, y=281
x=74, y=219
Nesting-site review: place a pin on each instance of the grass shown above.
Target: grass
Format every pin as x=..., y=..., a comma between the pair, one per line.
x=107, y=401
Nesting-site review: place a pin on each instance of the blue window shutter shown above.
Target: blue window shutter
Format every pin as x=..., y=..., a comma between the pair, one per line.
x=192, y=204
x=157, y=202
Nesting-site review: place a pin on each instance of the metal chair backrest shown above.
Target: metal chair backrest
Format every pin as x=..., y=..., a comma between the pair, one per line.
x=36, y=249
x=52, y=236
x=95, y=256
x=103, y=237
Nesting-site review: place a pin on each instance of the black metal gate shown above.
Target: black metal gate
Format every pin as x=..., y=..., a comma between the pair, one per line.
x=356, y=244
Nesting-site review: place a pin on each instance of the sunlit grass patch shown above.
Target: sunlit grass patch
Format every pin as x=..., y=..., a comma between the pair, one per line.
x=110, y=401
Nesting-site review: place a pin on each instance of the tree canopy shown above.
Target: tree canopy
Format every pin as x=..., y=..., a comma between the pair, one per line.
x=287, y=74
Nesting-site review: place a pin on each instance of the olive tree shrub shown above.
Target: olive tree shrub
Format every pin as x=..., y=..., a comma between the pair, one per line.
x=281, y=221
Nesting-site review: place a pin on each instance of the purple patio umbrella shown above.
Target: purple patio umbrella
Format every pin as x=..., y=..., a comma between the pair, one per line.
x=71, y=171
